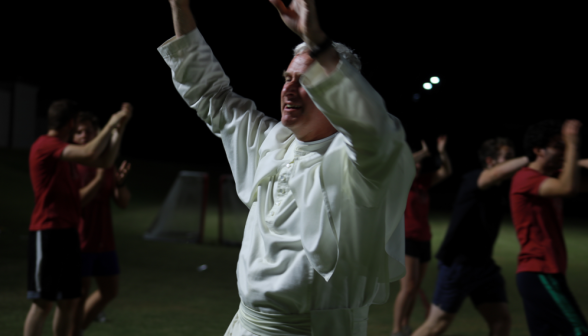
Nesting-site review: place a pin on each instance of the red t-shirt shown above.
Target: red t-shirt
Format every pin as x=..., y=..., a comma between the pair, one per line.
x=95, y=225
x=539, y=225
x=416, y=216
x=57, y=198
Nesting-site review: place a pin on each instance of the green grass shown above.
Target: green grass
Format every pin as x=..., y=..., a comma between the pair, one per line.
x=162, y=292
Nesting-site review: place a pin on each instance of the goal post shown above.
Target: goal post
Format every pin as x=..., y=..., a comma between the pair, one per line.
x=232, y=213
x=182, y=215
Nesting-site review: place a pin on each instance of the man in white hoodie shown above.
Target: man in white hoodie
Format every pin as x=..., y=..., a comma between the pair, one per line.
x=326, y=185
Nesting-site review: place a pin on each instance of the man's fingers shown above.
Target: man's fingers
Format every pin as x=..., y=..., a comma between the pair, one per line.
x=571, y=126
x=279, y=4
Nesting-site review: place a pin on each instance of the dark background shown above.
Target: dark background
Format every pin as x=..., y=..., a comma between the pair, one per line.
x=502, y=68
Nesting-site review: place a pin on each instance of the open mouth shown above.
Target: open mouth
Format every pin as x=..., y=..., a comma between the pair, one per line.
x=292, y=107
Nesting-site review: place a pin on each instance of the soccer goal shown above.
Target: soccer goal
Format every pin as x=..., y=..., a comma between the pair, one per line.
x=232, y=213
x=181, y=218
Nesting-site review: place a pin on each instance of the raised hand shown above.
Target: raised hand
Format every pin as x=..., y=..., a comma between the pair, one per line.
x=441, y=142
x=121, y=117
x=121, y=174
x=127, y=110
x=570, y=131
x=425, y=149
x=302, y=19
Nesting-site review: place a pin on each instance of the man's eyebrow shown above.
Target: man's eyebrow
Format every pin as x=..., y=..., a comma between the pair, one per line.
x=285, y=73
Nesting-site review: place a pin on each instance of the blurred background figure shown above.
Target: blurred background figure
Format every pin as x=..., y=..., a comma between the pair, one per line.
x=537, y=212
x=99, y=258
x=418, y=233
x=54, y=247
x=466, y=267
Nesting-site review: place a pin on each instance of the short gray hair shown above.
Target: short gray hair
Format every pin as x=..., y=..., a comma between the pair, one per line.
x=342, y=49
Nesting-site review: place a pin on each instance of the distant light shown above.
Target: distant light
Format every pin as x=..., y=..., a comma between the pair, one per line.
x=427, y=86
x=435, y=80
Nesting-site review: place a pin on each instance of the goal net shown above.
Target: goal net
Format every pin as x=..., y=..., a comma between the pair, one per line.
x=232, y=213
x=181, y=218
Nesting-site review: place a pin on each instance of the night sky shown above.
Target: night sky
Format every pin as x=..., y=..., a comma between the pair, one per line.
x=501, y=67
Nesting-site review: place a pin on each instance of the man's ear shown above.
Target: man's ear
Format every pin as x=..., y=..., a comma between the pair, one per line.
x=489, y=162
x=539, y=152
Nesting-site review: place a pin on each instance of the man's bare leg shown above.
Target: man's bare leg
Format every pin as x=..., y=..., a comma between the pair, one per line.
x=106, y=292
x=409, y=287
x=420, y=292
x=64, y=318
x=36, y=317
x=497, y=317
x=437, y=322
x=79, y=319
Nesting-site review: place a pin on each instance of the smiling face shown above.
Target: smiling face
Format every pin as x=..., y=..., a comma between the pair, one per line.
x=84, y=133
x=299, y=113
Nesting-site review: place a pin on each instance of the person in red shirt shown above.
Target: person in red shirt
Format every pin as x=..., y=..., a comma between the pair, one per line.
x=99, y=258
x=418, y=234
x=54, y=251
x=536, y=205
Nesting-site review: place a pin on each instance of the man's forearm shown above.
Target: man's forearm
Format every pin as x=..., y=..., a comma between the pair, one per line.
x=420, y=155
x=111, y=152
x=583, y=163
x=183, y=19
x=122, y=197
x=446, y=163
x=570, y=173
x=96, y=147
x=88, y=192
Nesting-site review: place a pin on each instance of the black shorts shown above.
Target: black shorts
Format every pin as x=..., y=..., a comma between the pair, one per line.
x=550, y=307
x=483, y=283
x=418, y=249
x=54, y=259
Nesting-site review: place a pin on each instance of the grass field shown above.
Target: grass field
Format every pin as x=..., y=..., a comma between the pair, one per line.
x=163, y=293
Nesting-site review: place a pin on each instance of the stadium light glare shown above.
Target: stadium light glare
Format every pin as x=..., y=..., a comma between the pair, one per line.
x=427, y=86
x=435, y=80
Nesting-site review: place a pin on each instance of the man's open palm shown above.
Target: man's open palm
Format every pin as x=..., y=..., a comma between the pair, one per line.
x=301, y=18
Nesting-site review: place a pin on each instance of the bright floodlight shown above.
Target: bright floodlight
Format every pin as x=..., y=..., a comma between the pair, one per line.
x=435, y=80
x=427, y=86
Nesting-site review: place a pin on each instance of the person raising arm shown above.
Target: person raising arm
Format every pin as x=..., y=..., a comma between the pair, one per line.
x=326, y=185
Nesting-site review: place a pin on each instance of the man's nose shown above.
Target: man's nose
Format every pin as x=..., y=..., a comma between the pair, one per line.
x=292, y=85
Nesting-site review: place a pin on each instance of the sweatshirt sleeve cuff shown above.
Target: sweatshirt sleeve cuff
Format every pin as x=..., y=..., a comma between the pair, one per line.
x=317, y=80
x=177, y=47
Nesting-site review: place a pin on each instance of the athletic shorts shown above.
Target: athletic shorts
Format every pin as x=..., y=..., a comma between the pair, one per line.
x=483, y=283
x=100, y=264
x=418, y=249
x=54, y=265
x=550, y=307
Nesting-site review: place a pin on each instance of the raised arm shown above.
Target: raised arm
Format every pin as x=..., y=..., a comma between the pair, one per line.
x=501, y=172
x=421, y=154
x=182, y=15
x=568, y=182
x=204, y=86
x=445, y=170
x=110, y=154
x=375, y=139
x=90, y=153
x=301, y=17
